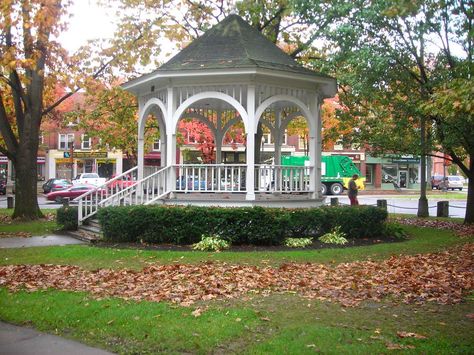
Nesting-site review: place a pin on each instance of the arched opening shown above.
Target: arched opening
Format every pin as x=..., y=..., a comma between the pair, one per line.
x=151, y=150
x=210, y=137
x=282, y=147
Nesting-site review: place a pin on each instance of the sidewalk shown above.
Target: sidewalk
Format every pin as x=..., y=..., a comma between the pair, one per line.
x=16, y=242
x=16, y=340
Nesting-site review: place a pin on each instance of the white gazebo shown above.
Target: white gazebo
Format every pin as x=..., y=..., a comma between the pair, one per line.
x=232, y=74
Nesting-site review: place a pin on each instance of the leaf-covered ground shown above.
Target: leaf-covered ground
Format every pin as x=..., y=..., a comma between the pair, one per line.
x=462, y=230
x=438, y=277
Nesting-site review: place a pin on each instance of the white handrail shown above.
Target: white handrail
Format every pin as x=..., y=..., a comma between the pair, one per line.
x=114, y=193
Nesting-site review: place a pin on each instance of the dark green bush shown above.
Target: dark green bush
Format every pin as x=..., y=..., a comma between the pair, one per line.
x=256, y=225
x=66, y=217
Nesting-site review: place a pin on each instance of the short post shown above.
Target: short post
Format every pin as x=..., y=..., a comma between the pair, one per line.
x=443, y=209
x=382, y=204
x=334, y=201
x=66, y=202
x=10, y=202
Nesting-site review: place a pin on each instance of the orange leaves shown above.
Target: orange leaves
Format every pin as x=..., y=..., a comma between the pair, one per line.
x=443, y=278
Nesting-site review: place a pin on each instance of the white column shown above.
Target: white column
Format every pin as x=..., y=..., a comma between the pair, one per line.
x=219, y=137
x=171, y=137
x=250, y=182
x=315, y=144
x=141, y=156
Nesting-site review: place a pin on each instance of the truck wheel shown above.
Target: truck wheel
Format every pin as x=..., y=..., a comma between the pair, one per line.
x=336, y=188
x=324, y=189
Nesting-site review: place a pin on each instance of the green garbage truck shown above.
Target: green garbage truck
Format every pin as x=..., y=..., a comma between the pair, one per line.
x=336, y=171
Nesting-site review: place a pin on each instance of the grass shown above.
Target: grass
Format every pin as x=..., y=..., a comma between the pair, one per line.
x=422, y=240
x=278, y=324
x=431, y=195
x=41, y=227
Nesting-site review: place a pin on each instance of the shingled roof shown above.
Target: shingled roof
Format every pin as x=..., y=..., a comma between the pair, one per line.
x=233, y=43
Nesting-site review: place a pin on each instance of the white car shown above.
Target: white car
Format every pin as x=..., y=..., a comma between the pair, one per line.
x=455, y=182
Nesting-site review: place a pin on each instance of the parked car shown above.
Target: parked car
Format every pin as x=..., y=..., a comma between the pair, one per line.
x=193, y=184
x=55, y=185
x=72, y=192
x=89, y=178
x=3, y=187
x=122, y=183
x=450, y=182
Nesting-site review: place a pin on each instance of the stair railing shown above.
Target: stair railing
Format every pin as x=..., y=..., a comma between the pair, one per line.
x=116, y=192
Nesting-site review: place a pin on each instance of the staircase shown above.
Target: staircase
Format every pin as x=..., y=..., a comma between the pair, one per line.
x=88, y=232
x=114, y=192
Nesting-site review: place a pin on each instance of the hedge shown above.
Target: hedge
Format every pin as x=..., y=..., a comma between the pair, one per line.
x=249, y=225
x=66, y=217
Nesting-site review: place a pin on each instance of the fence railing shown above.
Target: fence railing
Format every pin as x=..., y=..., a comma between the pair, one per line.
x=283, y=178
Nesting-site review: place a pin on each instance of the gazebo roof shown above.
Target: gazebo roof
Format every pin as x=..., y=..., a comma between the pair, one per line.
x=233, y=43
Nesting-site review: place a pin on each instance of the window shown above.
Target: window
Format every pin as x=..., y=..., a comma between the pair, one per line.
x=66, y=141
x=85, y=142
x=156, y=145
x=369, y=174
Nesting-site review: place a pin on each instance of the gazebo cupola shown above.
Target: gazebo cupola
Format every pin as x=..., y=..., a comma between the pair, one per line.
x=234, y=72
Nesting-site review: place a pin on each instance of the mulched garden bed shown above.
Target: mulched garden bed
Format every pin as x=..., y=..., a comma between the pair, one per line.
x=250, y=248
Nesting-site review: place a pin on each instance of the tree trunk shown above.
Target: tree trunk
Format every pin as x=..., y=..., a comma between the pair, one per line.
x=423, y=210
x=26, y=198
x=469, y=217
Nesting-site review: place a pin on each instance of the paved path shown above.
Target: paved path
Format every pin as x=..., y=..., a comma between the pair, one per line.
x=16, y=242
x=26, y=341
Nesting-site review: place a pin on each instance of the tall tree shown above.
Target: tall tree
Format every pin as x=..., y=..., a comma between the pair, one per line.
x=393, y=60
x=27, y=52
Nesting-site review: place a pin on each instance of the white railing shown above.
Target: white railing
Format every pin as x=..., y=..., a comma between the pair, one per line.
x=123, y=190
x=210, y=178
x=283, y=178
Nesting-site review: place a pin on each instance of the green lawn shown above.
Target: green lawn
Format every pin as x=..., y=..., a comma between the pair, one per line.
x=277, y=324
x=41, y=227
x=91, y=257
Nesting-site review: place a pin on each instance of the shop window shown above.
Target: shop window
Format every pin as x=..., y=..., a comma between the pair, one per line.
x=369, y=174
x=413, y=175
x=389, y=173
x=156, y=145
x=85, y=142
x=266, y=138
x=66, y=141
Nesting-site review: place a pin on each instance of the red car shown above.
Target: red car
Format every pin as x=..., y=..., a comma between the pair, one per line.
x=122, y=183
x=73, y=192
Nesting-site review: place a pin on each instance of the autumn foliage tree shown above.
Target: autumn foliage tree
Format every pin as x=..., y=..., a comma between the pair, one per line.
x=31, y=65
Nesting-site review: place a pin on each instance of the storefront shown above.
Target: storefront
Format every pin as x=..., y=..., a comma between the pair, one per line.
x=5, y=166
x=62, y=165
x=394, y=171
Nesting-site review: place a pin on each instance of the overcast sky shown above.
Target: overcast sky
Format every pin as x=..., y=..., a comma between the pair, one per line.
x=88, y=22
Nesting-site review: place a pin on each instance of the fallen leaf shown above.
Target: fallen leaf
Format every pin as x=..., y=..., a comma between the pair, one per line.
x=410, y=335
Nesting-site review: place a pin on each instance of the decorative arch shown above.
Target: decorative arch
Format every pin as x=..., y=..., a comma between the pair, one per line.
x=147, y=109
x=208, y=95
x=265, y=104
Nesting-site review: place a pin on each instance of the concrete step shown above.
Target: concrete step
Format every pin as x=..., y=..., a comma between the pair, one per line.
x=90, y=232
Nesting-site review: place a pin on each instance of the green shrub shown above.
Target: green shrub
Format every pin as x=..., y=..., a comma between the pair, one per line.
x=394, y=230
x=66, y=218
x=249, y=225
x=211, y=243
x=336, y=236
x=298, y=242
